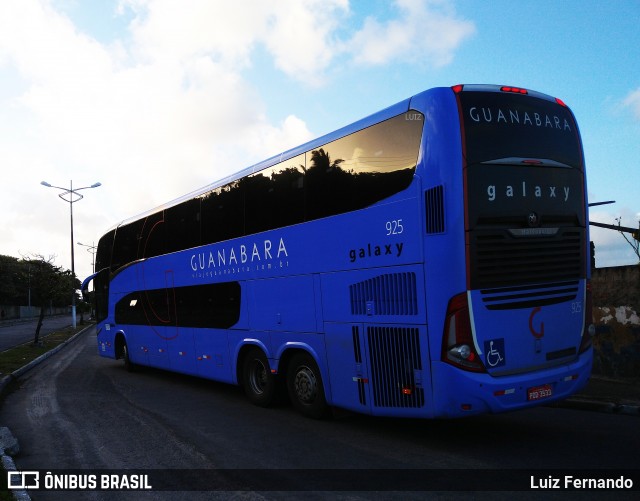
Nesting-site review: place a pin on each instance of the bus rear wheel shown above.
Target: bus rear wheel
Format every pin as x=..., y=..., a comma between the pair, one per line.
x=259, y=384
x=305, y=387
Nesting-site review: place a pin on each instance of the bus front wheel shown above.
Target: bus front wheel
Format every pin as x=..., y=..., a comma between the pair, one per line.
x=128, y=364
x=305, y=387
x=259, y=384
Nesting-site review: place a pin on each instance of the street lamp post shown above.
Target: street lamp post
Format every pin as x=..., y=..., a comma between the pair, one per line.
x=71, y=195
x=91, y=248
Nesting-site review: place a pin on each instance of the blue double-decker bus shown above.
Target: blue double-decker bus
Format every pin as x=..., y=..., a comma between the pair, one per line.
x=430, y=260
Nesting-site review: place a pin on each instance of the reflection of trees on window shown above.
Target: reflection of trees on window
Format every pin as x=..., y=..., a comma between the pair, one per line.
x=347, y=174
x=363, y=168
x=222, y=213
x=327, y=185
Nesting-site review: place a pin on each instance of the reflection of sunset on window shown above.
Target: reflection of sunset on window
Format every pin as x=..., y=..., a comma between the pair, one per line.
x=391, y=146
x=344, y=175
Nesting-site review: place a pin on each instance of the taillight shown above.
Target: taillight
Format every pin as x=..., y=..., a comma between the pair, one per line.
x=514, y=90
x=589, y=327
x=561, y=102
x=457, y=341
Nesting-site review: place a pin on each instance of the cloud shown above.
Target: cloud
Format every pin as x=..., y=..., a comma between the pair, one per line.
x=301, y=36
x=225, y=32
x=611, y=247
x=632, y=101
x=426, y=32
x=166, y=106
x=297, y=34
x=152, y=117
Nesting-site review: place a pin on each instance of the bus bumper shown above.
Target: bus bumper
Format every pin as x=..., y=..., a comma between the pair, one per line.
x=459, y=393
x=105, y=340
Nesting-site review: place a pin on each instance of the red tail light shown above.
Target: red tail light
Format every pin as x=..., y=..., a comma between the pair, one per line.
x=515, y=90
x=589, y=327
x=561, y=102
x=458, y=348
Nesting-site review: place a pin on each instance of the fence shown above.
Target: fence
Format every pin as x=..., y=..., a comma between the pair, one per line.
x=9, y=312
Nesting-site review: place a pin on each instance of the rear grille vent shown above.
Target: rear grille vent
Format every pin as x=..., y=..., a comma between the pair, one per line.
x=501, y=259
x=390, y=294
x=510, y=298
x=394, y=355
x=357, y=353
x=434, y=208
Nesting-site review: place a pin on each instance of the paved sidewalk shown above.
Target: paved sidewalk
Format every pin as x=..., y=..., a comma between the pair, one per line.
x=607, y=394
x=617, y=390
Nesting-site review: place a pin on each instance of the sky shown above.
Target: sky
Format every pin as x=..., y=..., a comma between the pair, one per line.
x=158, y=98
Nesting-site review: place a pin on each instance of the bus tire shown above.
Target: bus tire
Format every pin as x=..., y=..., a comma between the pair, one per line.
x=259, y=383
x=305, y=387
x=128, y=364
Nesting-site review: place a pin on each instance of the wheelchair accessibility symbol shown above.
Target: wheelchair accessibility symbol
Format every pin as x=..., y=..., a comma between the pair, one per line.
x=494, y=352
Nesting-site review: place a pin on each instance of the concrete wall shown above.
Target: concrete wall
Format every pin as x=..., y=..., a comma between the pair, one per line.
x=616, y=304
x=21, y=312
x=9, y=312
x=617, y=285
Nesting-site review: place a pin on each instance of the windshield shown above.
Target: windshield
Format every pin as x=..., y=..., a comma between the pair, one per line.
x=498, y=126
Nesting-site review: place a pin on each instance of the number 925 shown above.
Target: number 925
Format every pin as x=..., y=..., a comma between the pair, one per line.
x=394, y=227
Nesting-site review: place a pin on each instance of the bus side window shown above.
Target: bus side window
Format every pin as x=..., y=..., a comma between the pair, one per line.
x=222, y=213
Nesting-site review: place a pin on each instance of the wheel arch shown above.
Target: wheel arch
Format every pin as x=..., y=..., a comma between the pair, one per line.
x=241, y=352
x=119, y=340
x=289, y=350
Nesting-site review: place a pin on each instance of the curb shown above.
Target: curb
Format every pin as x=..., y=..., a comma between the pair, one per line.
x=7, y=461
x=596, y=406
x=9, y=378
x=9, y=465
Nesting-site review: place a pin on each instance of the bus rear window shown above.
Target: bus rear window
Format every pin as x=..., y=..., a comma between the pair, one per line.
x=499, y=126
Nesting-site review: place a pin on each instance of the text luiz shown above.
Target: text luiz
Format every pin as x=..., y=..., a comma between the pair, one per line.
x=571, y=482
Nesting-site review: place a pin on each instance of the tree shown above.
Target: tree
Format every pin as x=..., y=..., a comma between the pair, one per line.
x=634, y=241
x=50, y=285
x=11, y=272
x=36, y=281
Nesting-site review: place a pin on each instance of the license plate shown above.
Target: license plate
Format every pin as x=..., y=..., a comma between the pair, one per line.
x=539, y=392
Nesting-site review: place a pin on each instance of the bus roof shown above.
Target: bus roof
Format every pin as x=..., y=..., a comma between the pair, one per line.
x=363, y=123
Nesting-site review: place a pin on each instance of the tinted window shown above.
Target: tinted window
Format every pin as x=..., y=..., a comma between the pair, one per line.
x=101, y=289
x=275, y=196
x=153, y=236
x=209, y=305
x=222, y=213
x=363, y=168
x=103, y=254
x=348, y=174
x=499, y=125
x=125, y=247
x=182, y=226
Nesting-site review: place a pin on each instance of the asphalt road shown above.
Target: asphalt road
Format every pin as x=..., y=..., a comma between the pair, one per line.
x=79, y=411
x=15, y=333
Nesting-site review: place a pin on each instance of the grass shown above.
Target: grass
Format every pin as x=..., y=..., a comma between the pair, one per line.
x=19, y=356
